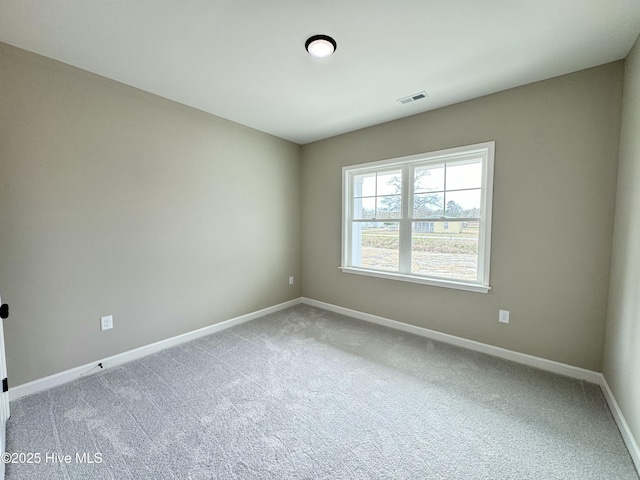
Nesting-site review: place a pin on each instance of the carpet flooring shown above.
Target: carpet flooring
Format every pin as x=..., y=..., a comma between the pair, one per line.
x=309, y=394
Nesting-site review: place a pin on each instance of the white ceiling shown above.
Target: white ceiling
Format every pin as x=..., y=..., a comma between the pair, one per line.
x=245, y=60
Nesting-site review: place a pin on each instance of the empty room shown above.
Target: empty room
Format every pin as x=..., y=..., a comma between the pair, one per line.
x=306, y=240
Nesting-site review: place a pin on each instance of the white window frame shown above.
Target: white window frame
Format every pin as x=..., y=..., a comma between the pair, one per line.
x=485, y=151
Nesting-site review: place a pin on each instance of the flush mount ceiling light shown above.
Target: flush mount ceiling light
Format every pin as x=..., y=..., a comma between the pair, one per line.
x=320, y=46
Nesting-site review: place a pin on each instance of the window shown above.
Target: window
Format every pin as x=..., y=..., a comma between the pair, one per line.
x=424, y=218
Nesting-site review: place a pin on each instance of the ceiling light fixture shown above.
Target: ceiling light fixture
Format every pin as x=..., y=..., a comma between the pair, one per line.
x=320, y=46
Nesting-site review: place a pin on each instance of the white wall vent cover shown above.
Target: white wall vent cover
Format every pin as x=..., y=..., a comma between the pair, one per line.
x=413, y=98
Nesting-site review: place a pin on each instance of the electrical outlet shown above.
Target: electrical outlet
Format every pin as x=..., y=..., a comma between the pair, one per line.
x=503, y=316
x=291, y=280
x=106, y=323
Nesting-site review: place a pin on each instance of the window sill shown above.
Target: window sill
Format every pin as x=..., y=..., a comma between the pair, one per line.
x=470, y=287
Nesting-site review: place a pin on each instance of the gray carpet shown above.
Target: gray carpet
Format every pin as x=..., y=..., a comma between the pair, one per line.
x=308, y=394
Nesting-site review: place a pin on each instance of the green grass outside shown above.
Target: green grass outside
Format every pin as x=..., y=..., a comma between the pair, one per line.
x=425, y=242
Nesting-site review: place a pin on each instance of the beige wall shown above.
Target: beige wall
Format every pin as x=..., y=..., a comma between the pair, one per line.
x=622, y=345
x=115, y=201
x=554, y=192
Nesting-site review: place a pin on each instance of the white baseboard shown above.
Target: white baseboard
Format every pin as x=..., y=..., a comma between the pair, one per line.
x=623, y=426
x=124, y=357
x=530, y=360
x=523, y=358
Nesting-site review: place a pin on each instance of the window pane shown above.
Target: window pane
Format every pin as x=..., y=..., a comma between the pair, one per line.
x=437, y=224
x=364, y=208
x=428, y=205
x=375, y=245
x=364, y=185
x=465, y=175
x=390, y=183
x=428, y=179
x=449, y=253
x=389, y=207
x=464, y=203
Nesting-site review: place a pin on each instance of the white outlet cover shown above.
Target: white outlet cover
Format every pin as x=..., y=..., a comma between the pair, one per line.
x=503, y=316
x=106, y=323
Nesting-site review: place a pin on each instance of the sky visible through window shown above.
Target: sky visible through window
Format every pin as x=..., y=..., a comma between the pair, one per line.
x=451, y=190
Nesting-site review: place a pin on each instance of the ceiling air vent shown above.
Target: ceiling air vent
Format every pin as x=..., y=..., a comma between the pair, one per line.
x=413, y=98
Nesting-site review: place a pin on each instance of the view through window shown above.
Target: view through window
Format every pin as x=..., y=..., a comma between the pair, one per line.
x=424, y=218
